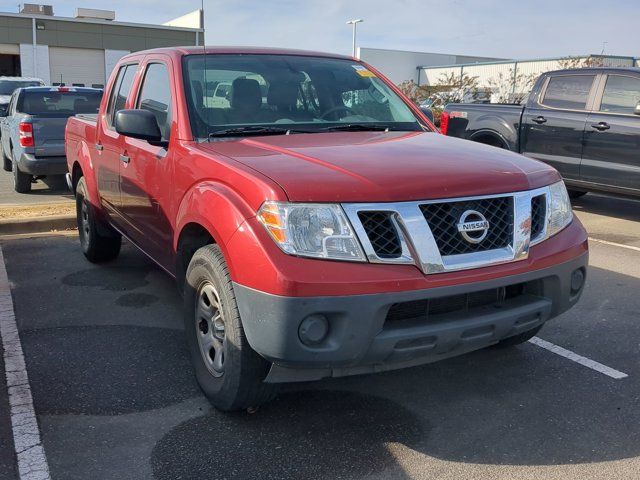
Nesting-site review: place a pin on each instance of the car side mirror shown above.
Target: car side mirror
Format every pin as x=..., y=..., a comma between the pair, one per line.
x=427, y=113
x=637, y=109
x=141, y=124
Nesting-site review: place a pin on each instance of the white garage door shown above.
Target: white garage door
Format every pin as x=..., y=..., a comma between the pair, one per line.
x=76, y=65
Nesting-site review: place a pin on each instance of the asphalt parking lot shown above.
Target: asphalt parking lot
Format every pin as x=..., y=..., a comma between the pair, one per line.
x=115, y=397
x=47, y=190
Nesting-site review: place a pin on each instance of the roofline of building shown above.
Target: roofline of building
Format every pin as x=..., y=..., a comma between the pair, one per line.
x=429, y=53
x=547, y=59
x=97, y=21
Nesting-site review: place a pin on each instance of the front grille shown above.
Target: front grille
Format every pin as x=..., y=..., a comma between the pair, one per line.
x=432, y=308
x=538, y=215
x=382, y=233
x=443, y=219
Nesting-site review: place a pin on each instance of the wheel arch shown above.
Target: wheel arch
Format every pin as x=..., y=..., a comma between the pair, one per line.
x=490, y=137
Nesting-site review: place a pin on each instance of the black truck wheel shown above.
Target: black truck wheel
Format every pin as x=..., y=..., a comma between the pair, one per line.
x=98, y=240
x=576, y=193
x=518, y=339
x=21, y=180
x=228, y=370
x=6, y=161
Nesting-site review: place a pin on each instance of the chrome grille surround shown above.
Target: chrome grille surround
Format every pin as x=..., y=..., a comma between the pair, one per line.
x=419, y=247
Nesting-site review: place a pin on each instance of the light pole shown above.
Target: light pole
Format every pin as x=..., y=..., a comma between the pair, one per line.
x=354, y=23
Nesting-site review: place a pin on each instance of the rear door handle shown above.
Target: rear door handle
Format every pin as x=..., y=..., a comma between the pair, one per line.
x=99, y=147
x=539, y=119
x=601, y=126
x=124, y=158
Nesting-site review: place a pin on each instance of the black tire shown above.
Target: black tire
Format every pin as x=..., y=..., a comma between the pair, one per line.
x=99, y=242
x=518, y=339
x=229, y=371
x=573, y=194
x=21, y=180
x=7, y=165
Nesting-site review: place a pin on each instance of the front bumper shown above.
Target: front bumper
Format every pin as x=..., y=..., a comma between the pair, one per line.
x=29, y=163
x=362, y=338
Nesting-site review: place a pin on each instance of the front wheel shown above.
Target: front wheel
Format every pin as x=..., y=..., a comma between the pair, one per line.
x=230, y=373
x=98, y=240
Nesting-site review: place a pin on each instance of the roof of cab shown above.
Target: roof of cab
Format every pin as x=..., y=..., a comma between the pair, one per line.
x=595, y=70
x=192, y=50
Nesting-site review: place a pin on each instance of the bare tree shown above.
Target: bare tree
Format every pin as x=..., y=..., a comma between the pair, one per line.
x=512, y=87
x=580, y=62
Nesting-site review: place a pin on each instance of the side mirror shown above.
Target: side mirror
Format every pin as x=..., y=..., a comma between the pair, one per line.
x=427, y=113
x=141, y=124
x=637, y=109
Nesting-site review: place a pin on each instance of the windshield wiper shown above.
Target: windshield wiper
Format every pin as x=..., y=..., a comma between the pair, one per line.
x=357, y=127
x=253, y=130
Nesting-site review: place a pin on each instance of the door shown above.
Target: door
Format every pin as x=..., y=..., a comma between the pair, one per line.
x=611, y=154
x=146, y=177
x=109, y=145
x=82, y=67
x=553, y=125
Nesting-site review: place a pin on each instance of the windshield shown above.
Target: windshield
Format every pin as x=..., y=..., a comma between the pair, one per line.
x=236, y=93
x=7, y=87
x=58, y=104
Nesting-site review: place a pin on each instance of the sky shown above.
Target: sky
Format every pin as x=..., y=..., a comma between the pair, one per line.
x=494, y=28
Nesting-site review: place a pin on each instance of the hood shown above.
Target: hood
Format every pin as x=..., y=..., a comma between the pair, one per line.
x=383, y=167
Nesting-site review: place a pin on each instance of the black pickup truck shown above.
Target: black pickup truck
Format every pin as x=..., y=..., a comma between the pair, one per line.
x=584, y=122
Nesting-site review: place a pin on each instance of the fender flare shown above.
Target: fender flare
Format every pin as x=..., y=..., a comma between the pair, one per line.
x=218, y=209
x=83, y=159
x=491, y=133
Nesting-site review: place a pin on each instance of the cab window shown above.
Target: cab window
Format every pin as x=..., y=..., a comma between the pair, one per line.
x=621, y=94
x=155, y=96
x=570, y=92
x=121, y=90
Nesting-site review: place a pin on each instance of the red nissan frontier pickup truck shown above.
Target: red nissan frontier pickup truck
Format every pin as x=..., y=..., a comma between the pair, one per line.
x=316, y=223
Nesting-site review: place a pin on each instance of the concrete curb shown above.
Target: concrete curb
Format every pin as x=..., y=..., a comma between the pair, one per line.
x=14, y=226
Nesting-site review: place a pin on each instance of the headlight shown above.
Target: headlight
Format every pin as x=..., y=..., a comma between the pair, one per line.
x=560, y=213
x=311, y=230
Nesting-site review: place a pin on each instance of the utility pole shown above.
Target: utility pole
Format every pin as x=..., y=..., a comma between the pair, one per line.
x=354, y=23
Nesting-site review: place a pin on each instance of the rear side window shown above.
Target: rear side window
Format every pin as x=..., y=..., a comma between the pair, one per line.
x=56, y=104
x=568, y=91
x=155, y=96
x=121, y=90
x=621, y=94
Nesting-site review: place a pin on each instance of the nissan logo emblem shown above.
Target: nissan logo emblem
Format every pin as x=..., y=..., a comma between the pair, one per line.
x=473, y=226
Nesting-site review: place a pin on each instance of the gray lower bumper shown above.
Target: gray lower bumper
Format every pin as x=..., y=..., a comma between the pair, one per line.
x=29, y=163
x=361, y=339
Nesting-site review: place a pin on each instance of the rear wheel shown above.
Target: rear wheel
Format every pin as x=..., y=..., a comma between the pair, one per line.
x=21, y=181
x=518, y=339
x=576, y=193
x=229, y=371
x=98, y=240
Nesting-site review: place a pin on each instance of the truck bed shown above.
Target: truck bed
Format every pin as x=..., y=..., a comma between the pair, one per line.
x=472, y=121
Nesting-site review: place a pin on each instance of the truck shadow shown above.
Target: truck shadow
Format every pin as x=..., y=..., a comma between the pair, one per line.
x=625, y=208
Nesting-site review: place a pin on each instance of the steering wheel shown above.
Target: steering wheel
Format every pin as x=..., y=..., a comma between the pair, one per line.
x=336, y=109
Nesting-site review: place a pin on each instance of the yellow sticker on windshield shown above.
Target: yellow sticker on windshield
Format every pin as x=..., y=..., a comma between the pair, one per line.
x=362, y=71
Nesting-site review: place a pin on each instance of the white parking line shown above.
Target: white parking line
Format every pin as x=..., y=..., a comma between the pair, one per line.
x=614, y=244
x=584, y=361
x=32, y=461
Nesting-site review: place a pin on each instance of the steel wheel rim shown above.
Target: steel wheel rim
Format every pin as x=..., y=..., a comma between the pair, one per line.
x=210, y=328
x=84, y=221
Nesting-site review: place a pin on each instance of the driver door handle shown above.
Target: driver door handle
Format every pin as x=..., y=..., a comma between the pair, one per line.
x=99, y=147
x=539, y=120
x=601, y=126
x=124, y=158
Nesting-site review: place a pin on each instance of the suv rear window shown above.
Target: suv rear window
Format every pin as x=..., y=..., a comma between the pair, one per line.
x=568, y=91
x=59, y=103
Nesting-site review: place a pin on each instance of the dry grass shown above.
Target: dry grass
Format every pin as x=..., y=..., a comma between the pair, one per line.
x=32, y=211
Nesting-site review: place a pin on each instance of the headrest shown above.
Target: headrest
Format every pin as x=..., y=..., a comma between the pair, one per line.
x=283, y=94
x=245, y=94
